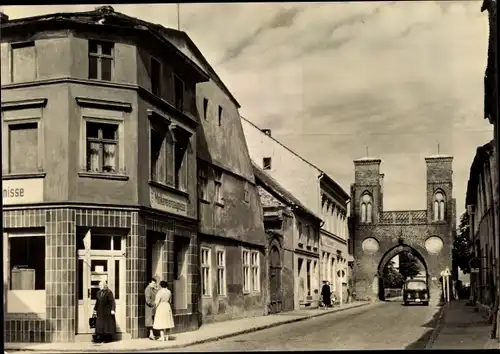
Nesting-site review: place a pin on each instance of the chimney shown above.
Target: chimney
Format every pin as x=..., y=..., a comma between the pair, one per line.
x=266, y=131
x=3, y=17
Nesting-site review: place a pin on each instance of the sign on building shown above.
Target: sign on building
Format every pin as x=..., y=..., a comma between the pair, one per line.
x=22, y=191
x=168, y=202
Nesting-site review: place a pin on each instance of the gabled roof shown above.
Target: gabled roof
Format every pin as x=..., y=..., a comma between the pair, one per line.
x=482, y=155
x=279, y=191
x=192, y=46
x=322, y=174
x=101, y=16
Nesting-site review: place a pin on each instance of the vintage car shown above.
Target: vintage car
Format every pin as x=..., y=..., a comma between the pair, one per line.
x=416, y=291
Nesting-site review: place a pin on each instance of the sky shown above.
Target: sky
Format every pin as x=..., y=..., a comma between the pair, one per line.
x=333, y=80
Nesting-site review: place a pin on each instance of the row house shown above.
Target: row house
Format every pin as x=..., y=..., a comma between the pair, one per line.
x=320, y=194
x=481, y=203
x=293, y=270
x=231, y=237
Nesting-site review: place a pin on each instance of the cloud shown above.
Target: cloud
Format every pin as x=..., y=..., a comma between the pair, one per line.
x=331, y=79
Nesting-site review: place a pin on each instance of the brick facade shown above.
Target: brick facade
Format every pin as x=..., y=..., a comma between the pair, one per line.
x=392, y=232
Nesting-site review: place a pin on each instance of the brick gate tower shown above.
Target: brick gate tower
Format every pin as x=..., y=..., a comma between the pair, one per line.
x=378, y=235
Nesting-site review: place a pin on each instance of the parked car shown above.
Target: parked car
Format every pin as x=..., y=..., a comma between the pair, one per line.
x=416, y=291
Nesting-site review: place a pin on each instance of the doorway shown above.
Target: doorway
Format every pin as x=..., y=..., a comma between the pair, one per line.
x=104, y=261
x=155, y=255
x=275, y=279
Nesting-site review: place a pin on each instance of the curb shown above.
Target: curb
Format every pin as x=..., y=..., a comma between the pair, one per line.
x=439, y=324
x=196, y=342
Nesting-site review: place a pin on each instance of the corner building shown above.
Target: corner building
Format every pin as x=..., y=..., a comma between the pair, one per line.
x=99, y=127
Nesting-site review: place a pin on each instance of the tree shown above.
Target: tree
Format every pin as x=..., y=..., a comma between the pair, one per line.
x=409, y=266
x=462, y=244
x=392, y=278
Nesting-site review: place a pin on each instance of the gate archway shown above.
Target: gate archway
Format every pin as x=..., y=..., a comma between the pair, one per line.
x=275, y=278
x=388, y=256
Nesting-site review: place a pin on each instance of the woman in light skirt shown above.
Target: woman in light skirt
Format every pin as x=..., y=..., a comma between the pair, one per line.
x=164, y=319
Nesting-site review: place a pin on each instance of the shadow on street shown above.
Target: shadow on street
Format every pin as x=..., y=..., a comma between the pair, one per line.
x=431, y=325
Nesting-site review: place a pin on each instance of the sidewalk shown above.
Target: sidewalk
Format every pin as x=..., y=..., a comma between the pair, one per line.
x=461, y=328
x=207, y=333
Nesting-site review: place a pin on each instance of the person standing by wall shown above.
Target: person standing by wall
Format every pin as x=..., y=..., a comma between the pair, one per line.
x=164, y=319
x=104, y=310
x=150, y=294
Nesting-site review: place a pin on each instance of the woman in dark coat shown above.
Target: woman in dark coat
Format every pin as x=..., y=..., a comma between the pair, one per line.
x=104, y=310
x=150, y=294
x=326, y=294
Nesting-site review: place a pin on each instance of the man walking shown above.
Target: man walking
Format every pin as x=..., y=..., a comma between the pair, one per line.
x=150, y=294
x=326, y=294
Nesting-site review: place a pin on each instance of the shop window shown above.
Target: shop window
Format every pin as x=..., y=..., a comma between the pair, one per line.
x=155, y=74
x=26, y=264
x=255, y=271
x=205, y=272
x=23, y=147
x=178, y=93
x=23, y=61
x=221, y=272
x=246, y=270
x=100, y=60
x=102, y=147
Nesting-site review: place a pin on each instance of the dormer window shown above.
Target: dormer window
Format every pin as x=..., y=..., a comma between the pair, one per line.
x=366, y=208
x=439, y=206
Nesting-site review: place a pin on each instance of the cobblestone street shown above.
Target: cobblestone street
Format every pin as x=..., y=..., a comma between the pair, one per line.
x=388, y=326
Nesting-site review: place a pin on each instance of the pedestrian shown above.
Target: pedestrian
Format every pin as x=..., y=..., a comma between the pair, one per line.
x=150, y=294
x=104, y=311
x=164, y=319
x=348, y=295
x=326, y=294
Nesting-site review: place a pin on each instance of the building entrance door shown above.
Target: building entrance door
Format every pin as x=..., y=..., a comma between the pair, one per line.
x=93, y=267
x=275, y=279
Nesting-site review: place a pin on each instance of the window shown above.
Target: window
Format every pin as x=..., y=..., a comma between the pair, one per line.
x=158, y=156
x=205, y=272
x=221, y=272
x=155, y=77
x=308, y=235
x=299, y=229
x=218, y=187
x=245, y=193
x=205, y=108
x=439, y=206
x=100, y=60
x=179, y=93
x=23, y=62
x=246, y=271
x=25, y=259
x=180, y=157
x=366, y=208
x=23, y=147
x=102, y=147
x=220, y=116
x=202, y=181
x=255, y=271
x=266, y=163
x=308, y=278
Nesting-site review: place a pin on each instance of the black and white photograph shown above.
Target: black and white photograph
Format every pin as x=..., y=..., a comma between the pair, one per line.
x=251, y=176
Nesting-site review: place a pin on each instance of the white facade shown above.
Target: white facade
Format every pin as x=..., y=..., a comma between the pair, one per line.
x=316, y=191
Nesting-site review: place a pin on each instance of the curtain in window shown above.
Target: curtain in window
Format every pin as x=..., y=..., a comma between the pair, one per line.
x=109, y=158
x=93, y=156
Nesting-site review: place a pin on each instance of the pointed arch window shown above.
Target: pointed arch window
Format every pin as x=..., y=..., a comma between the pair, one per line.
x=439, y=206
x=366, y=208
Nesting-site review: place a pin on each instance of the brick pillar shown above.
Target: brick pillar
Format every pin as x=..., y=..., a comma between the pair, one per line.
x=136, y=276
x=60, y=231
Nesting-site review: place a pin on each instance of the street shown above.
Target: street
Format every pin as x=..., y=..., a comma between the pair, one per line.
x=386, y=326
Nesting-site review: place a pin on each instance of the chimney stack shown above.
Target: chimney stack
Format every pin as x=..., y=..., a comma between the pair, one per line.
x=266, y=131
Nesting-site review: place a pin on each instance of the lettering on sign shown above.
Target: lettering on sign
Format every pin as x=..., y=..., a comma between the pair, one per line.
x=168, y=202
x=22, y=191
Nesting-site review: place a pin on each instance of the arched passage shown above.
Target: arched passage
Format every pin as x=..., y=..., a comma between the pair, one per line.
x=388, y=256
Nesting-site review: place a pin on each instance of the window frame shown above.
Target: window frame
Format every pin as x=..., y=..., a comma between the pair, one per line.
x=183, y=86
x=218, y=187
x=202, y=181
x=99, y=57
x=246, y=267
x=8, y=273
x=208, y=266
x=265, y=166
x=18, y=45
x=157, y=91
x=439, y=206
x=205, y=108
x=366, y=209
x=103, y=142
x=7, y=122
x=104, y=117
x=221, y=290
x=256, y=288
